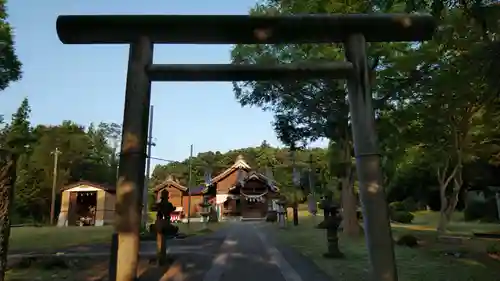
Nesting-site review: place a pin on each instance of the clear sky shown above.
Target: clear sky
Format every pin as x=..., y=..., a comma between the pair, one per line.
x=86, y=83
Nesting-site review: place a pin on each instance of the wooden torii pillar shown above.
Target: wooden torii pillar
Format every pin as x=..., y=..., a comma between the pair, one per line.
x=142, y=31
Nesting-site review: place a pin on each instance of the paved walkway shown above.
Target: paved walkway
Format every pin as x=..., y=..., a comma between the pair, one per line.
x=246, y=253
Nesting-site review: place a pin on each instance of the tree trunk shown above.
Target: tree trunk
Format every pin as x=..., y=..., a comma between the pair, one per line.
x=350, y=224
x=443, y=219
x=447, y=208
x=7, y=180
x=295, y=211
x=448, y=203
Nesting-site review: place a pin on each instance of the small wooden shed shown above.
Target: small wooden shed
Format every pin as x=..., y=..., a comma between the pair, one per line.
x=87, y=203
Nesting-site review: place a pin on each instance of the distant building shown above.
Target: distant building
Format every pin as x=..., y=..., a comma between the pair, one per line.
x=87, y=203
x=236, y=192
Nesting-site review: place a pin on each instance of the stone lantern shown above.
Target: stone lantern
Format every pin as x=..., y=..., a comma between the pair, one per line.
x=204, y=211
x=281, y=202
x=331, y=223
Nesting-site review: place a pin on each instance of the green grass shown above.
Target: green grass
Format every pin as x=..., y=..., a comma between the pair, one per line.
x=49, y=238
x=46, y=238
x=426, y=263
x=428, y=220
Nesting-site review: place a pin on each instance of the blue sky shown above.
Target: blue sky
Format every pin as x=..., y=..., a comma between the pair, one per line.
x=86, y=83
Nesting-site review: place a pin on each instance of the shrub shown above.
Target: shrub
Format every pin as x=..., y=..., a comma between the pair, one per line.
x=493, y=249
x=272, y=216
x=397, y=207
x=402, y=216
x=407, y=240
x=485, y=211
x=474, y=210
x=410, y=205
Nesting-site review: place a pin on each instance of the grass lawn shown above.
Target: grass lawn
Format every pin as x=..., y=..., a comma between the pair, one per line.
x=428, y=262
x=428, y=220
x=47, y=238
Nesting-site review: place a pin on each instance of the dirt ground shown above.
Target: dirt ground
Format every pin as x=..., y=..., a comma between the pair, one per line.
x=88, y=269
x=57, y=268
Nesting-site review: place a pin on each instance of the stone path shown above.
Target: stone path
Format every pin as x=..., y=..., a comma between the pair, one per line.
x=248, y=256
x=249, y=252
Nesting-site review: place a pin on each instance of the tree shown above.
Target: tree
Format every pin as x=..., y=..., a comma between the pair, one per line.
x=87, y=155
x=276, y=159
x=17, y=137
x=308, y=110
x=10, y=66
x=450, y=102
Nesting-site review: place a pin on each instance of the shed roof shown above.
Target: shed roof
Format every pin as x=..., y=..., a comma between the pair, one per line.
x=105, y=187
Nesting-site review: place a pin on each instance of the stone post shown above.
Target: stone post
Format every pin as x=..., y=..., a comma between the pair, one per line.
x=331, y=223
x=163, y=226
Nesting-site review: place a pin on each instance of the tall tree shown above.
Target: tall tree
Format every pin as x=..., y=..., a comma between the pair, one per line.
x=308, y=110
x=10, y=66
x=15, y=141
x=448, y=102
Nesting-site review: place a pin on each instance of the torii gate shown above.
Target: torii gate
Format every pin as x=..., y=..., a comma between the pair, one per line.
x=141, y=32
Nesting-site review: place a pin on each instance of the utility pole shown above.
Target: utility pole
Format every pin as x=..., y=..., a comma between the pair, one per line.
x=117, y=163
x=189, y=183
x=54, y=185
x=313, y=208
x=310, y=178
x=145, y=190
x=296, y=183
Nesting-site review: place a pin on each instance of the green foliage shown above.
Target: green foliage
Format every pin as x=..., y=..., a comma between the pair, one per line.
x=399, y=212
x=151, y=201
x=474, y=210
x=10, y=66
x=397, y=206
x=410, y=205
x=436, y=102
x=402, y=216
x=493, y=249
x=87, y=154
x=485, y=211
x=446, y=112
x=407, y=240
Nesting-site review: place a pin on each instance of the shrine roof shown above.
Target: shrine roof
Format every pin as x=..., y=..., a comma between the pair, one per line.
x=195, y=190
x=170, y=181
x=239, y=164
x=253, y=175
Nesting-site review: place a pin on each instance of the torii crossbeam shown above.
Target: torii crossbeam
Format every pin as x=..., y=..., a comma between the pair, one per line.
x=141, y=32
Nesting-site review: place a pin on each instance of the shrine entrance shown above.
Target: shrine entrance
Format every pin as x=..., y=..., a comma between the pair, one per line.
x=254, y=195
x=141, y=32
x=86, y=204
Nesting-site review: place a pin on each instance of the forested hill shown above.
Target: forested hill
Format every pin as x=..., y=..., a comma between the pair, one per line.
x=278, y=159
